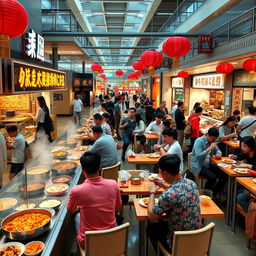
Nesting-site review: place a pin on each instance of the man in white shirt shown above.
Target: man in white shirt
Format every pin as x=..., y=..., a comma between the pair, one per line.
x=18, y=150
x=3, y=157
x=155, y=127
x=98, y=121
x=172, y=145
x=77, y=108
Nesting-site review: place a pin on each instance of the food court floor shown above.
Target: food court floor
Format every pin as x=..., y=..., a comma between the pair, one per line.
x=224, y=242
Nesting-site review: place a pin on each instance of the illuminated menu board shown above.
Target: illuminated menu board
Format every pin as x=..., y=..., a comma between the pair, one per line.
x=210, y=81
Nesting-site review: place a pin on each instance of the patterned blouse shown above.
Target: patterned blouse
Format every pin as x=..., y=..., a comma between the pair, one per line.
x=181, y=204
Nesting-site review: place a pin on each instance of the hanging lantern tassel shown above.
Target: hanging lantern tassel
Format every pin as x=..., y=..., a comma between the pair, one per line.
x=151, y=70
x=176, y=62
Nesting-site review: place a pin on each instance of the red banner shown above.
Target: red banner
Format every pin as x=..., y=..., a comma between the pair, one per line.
x=204, y=44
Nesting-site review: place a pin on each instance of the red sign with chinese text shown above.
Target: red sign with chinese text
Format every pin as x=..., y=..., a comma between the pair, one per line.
x=204, y=44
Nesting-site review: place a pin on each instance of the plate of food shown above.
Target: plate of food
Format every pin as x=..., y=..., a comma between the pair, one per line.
x=153, y=155
x=62, y=179
x=81, y=148
x=60, y=154
x=38, y=172
x=53, y=203
x=241, y=170
x=64, y=167
x=34, y=248
x=228, y=161
x=145, y=201
x=74, y=157
x=32, y=189
x=7, y=203
x=24, y=205
x=57, y=189
x=12, y=249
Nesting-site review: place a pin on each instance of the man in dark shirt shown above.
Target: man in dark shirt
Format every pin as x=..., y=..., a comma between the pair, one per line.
x=128, y=125
x=180, y=122
x=162, y=109
x=108, y=102
x=149, y=113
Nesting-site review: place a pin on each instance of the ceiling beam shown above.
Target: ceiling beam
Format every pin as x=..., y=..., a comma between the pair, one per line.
x=119, y=47
x=115, y=55
x=119, y=34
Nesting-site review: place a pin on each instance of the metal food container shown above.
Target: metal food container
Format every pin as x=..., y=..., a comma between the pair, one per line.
x=136, y=181
x=38, y=176
x=62, y=157
x=32, y=193
x=29, y=234
x=63, y=176
x=56, y=171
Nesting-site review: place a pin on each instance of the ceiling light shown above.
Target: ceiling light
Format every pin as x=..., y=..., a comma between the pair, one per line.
x=141, y=15
x=114, y=13
x=164, y=13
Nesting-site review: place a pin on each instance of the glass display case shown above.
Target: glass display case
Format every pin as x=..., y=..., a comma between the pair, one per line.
x=42, y=186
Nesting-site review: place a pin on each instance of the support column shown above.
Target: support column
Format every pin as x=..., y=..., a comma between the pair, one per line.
x=83, y=67
x=55, y=57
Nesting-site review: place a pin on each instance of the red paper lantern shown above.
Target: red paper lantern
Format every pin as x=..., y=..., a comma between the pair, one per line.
x=138, y=65
x=183, y=74
x=13, y=18
x=224, y=68
x=151, y=59
x=101, y=71
x=96, y=67
x=103, y=76
x=176, y=46
x=119, y=72
x=250, y=65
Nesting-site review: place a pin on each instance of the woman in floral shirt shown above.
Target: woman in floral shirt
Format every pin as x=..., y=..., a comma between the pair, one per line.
x=180, y=202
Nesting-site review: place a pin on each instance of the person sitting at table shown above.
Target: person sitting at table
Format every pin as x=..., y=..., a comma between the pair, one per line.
x=247, y=159
x=160, y=142
x=128, y=125
x=98, y=121
x=155, y=127
x=162, y=109
x=180, y=202
x=106, y=118
x=236, y=114
x=205, y=147
x=172, y=145
x=227, y=131
x=105, y=146
x=96, y=199
x=139, y=130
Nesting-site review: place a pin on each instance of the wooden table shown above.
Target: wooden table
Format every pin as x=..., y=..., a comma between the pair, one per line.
x=207, y=212
x=249, y=184
x=232, y=144
x=142, y=159
x=150, y=136
x=231, y=181
x=138, y=190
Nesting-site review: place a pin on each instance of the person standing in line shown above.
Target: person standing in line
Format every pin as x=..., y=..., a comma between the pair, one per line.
x=43, y=119
x=18, y=150
x=247, y=125
x=3, y=157
x=117, y=114
x=180, y=122
x=149, y=113
x=128, y=125
x=109, y=103
x=77, y=108
x=193, y=111
x=162, y=109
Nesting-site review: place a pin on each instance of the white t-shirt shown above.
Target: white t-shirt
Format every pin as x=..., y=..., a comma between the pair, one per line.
x=245, y=121
x=40, y=116
x=18, y=154
x=77, y=105
x=154, y=127
x=175, y=148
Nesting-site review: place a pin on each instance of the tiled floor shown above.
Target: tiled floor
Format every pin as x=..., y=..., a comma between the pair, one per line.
x=224, y=242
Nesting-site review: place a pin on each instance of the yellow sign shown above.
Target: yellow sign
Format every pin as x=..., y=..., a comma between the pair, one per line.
x=15, y=102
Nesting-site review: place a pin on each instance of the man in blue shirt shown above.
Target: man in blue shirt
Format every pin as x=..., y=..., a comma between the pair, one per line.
x=204, y=148
x=105, y=146
x=128, y=125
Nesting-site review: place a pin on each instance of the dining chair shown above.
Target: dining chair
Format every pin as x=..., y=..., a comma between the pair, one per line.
x=109, y=242
x=187, y=243
x=111, y=172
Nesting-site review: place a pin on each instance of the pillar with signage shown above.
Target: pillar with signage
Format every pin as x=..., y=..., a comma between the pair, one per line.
x=178, y=89
x=209, y=90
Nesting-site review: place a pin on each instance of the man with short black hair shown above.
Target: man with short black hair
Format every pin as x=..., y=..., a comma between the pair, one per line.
x=155, y=127
x=128, y=125
x=180, y=202
x=162, y=109
x=105, y=146
x=98, y=120
x=96, y=199
x=108, y=102
x=180, y=122
x=204, y=148
x=247, y=124
x=18, y=150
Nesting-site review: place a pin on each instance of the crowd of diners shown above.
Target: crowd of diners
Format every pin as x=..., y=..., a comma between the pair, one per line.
x=180, y=200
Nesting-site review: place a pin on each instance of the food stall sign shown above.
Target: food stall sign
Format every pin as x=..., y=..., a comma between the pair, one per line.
x=214, y=81
x=32, y=78
x=177, y=82
x=204, y=44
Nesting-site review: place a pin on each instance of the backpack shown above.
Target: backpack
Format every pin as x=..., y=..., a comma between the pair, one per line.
x=250, y=221
x=188, y=128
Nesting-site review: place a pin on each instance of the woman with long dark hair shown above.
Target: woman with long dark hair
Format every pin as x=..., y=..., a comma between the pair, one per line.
x=43, y=119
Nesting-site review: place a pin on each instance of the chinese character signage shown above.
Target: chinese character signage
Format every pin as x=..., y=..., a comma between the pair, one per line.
x=214, y=81
x=34, y=46
x=15, y=102
x=177, y=82
x=31, y=78
x=237, y=99
x=204, y=44
x=244, y=78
